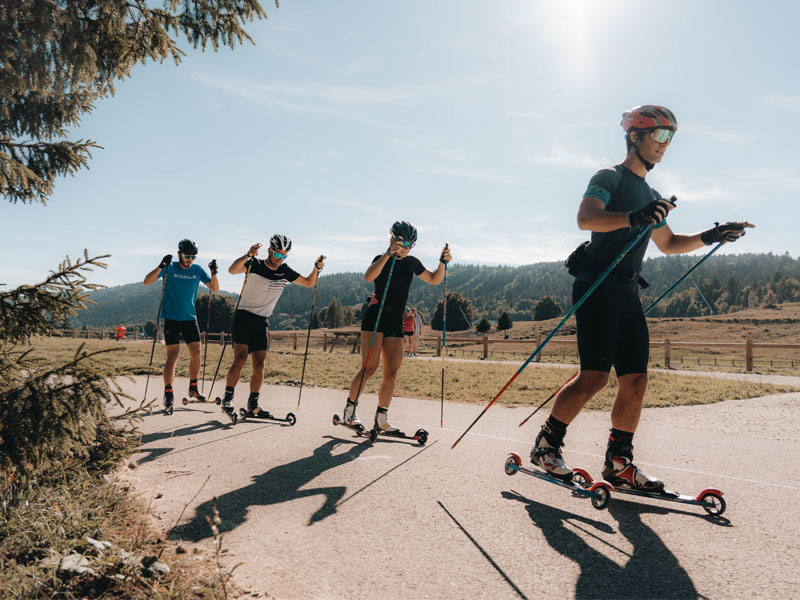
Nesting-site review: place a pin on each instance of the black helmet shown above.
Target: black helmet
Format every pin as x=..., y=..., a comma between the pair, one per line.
x=281, y=243
x=404, y=230
x=187, y=247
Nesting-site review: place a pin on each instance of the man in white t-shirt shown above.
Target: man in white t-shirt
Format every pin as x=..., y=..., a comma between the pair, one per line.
x=263, y=286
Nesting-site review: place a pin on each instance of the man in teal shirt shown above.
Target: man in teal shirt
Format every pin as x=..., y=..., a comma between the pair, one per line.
x=183, y=279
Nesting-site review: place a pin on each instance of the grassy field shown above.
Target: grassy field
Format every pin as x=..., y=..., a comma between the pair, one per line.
x=465, y=382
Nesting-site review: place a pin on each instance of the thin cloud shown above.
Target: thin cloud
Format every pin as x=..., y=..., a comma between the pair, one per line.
x=431, y=169
x=445, y=153
x=566, y=159
x=523, y=115
x=783, y=100
x=669, y=185
x=723, y=136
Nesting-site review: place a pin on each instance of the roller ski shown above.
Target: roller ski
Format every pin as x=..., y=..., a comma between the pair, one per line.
x=196, y=397
x=382, y=427
x=254, y=411
x=350, y=419
x=626, y=478
x=598, y=491
x=227, y=406
x=710, y=499
x=169, y=401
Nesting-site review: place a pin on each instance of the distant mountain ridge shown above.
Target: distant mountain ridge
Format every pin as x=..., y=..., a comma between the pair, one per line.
x=727, y=282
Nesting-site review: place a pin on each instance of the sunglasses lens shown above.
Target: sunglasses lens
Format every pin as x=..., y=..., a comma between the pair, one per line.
x=662, y=135
x=190, y=256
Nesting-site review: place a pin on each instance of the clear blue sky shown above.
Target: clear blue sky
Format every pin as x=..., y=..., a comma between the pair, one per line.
x=481, y=122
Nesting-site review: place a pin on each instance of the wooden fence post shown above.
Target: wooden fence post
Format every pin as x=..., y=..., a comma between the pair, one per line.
x=485, y=346
x=324, y=341
x=748, y=355
x=136, y=335
x=294, y=340
x=538, y=343
x=666, y=354
x=439, y=346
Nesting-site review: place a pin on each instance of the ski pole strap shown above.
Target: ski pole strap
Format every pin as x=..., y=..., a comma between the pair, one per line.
x=689, y=272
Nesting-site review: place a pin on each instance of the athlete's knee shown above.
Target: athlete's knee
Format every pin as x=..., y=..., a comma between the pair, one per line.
x=591, y=382
x=633, y=382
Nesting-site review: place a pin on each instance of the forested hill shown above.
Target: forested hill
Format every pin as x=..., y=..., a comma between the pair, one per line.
x=727, y=282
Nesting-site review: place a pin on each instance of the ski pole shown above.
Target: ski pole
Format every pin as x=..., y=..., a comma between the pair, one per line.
x=647, y=310
x=205, y=350
x=224, y=337
x=444, y=340
x=308, y=338
x=375, y=329
x=574, y=308
x=155, y=337
x=685, y=275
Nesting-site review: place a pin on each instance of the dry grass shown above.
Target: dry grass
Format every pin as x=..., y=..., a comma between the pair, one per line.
x=465, y=381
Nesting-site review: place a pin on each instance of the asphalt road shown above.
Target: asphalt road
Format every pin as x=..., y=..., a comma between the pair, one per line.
x=313, y=511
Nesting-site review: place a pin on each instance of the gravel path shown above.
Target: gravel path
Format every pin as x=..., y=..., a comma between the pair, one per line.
x=315, y=512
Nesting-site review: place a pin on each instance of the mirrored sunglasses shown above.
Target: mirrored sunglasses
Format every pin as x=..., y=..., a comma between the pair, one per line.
x=278, y=255
x=404, y=243
x=662, y=136
x=189, y=256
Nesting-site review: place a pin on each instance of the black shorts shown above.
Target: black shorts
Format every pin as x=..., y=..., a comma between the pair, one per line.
x=391, y=324
x=612, y=330
x=408, y=333
x=173, y=330
x=251, y=329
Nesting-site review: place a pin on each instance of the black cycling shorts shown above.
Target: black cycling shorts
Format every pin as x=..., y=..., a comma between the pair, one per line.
x=173, y=330
x=391, y=324
x=251, y=329
x=612, y=330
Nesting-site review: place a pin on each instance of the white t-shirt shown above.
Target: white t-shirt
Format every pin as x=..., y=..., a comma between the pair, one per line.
x=264, y=286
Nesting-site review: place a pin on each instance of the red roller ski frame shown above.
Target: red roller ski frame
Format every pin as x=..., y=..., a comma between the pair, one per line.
x=710, y=498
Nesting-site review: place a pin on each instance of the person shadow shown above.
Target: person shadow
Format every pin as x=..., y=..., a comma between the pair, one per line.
x=649, y=570
x=280, y=484
x=150, y=454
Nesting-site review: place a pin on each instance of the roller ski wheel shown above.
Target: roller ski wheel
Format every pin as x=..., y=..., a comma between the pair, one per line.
x=359, y=429
x=169, y=409
x=709, y=499
x=264, y=415
x=420, y=436
x=599, y=492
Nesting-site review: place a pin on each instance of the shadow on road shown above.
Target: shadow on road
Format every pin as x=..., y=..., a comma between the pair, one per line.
x=485, y=554
x=279, y=484
x=649, y=570
x=151, y=454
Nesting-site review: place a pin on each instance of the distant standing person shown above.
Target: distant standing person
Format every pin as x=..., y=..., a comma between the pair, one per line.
x=612, y=330
x=180, y=294
x=415, y=339
x=263, y=287
x=408, y=331
x=388, y=339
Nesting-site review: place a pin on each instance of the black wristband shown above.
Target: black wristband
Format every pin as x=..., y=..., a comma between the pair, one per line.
x=442, y=260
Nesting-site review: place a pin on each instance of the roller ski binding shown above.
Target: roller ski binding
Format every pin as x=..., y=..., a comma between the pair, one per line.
x=169, y=401
x=382, y=427
x=254, y=411
x=350, y=419
x=227, y=406
x=196, y=397
x=599, y=491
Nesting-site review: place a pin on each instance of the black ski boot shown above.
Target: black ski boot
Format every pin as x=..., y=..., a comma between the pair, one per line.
x=169, y=400
x=227, y=405
x=546, y=453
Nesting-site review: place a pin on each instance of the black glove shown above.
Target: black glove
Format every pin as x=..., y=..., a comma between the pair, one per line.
x=212, y=266
x=167, y=260
x=727, y=232
x=654, y=212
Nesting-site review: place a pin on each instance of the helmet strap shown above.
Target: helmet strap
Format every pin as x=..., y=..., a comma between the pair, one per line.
x=647, y=165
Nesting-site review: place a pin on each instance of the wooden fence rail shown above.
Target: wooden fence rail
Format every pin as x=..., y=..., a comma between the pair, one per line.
x=352, y=340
